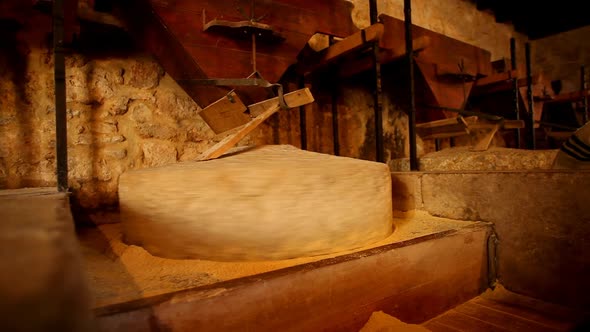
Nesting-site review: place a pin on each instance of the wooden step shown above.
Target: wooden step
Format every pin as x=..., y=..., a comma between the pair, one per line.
x=502, y=310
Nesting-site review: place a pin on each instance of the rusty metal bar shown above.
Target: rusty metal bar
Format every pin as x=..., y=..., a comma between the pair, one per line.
x=583, y=87
x=378, y=89
x=529, y=82
x=302, y=118
x=515, y=88
x=410, y=56
x=61, y=138
x=335, y=126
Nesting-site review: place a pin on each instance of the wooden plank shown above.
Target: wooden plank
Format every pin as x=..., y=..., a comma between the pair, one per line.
x=496, y=78
x=330, y=295
x=225, y=114
x=570, y=97
x=555, y=311
x=435, y=326
x=466, y=323
x=385, y=56
x=341, y=48
x=513, y=124
x=525, y=313
x=293, y=99
x=442, y=49
x=271, y=106
x=439, y=123
x=501, y=319
x=443, y=128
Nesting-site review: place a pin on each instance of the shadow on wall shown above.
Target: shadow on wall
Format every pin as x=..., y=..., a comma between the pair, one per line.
x=16, y=116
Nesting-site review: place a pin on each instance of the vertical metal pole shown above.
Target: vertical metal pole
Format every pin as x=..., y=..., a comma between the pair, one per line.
x=377, y=92
x=529, y=81
x=302, y=118
x=374, y=14
x=583, y=87
x=516, y=91
x=410, y=56
x=61, y=138
x=335, y=129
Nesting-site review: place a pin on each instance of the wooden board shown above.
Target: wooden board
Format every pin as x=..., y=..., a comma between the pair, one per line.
x=503, y=311
x=337, y=294
x=441, y=50
x=263, y=111
x=268, y=203
x=225, y=114
x=443, y=128
x=173, y=32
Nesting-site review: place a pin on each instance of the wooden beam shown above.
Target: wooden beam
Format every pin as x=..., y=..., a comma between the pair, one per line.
x=341, y=48
x=385, y=56
x=444, y=128
x=570, y=97
x=264, y=109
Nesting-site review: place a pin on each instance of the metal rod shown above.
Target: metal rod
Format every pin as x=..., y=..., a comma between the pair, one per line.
x=515, y=88
x=61, y=138
x=335, y=128
x=374, y=14
x=302, y=118
x=377, y=90
x=410, y=56
x=583, y=87
x=529, y=81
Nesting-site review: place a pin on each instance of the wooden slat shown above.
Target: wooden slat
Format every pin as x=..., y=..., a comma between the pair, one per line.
x=386, y=55
x=527, y=313
x=443, y=128
x=271, y=106
x=293, y=99
x=439, y=327
x=465, y=323
x=570, y=97
x=341, y=48
x=496, y=78
x=501, y=319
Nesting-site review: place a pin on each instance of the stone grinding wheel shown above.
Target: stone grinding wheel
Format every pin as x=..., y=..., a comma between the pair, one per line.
x=266, y=203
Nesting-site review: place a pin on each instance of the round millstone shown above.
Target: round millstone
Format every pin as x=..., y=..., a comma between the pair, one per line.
x=266, y=203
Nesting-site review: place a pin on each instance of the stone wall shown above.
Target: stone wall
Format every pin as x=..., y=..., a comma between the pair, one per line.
x=123, y=113
x=560, y=57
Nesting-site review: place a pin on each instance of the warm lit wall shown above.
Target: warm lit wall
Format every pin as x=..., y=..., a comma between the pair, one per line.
x=124, y=112
x=560, y=56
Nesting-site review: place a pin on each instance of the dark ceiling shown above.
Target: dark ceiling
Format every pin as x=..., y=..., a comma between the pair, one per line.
x=538, y=19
